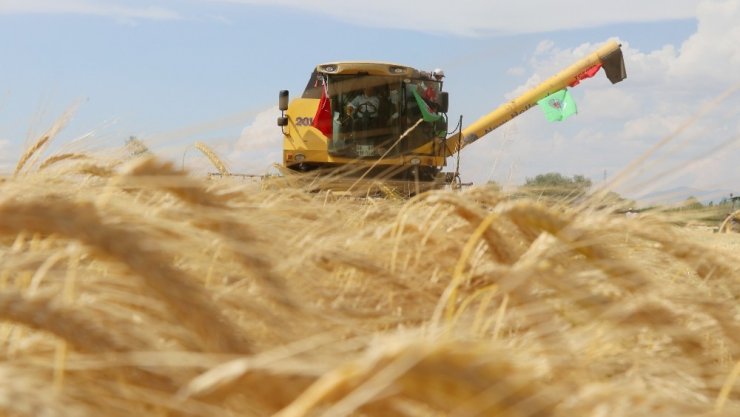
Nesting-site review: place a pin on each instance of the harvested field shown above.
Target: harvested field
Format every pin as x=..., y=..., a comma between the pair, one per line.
x=131, y=288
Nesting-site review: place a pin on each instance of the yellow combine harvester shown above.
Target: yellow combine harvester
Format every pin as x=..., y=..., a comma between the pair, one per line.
x=379, y=121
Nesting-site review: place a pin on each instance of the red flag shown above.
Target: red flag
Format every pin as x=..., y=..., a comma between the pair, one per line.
x=585, y=74
x=430, y=93
x=322, y=118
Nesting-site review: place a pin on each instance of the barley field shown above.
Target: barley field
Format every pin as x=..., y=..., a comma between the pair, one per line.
x=131, y=288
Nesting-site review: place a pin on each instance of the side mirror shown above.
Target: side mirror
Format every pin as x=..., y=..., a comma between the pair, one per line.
x=282, y=121
x=444, y=101
x=283, y=101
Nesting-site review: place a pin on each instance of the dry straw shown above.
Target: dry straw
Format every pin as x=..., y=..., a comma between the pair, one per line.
x=30, y=152
x=61, y=157
x=43, y=140
x=211, y=155
x=177, y=295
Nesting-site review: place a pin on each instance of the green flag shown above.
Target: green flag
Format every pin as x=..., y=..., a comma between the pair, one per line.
x=426, y=112
x=558, y=106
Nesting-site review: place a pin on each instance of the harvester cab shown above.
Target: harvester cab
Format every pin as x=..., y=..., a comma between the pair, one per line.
x=361, y=112
x=373, y=112
x=389, y=121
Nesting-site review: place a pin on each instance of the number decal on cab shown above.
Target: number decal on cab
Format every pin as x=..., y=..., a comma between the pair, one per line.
x=303, y=121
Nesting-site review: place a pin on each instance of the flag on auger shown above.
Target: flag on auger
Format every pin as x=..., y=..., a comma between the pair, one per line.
x=558, y=106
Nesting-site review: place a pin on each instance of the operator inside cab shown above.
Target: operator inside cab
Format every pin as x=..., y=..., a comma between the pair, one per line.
x=365, y=105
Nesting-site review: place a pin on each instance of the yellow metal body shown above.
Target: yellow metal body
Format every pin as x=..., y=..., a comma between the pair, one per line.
x=309, y=145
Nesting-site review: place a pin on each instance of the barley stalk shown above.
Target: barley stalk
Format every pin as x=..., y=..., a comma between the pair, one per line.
x=45, y=314
x=30, y=152
x=82, y=222
x=61, y=157
x=211, y=155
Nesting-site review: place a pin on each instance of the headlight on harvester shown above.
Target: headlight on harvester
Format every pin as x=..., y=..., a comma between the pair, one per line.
x=397, y=70
x=415, y=161
x=300, y=157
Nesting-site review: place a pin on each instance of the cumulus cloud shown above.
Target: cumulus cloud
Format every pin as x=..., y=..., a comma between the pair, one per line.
x=671, y=92
x=259, y=146
x=610, y=103
x=712, y=51
x=87, y=7
x=478, y=17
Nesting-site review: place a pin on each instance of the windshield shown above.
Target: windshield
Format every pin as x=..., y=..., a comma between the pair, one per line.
x=371, y=113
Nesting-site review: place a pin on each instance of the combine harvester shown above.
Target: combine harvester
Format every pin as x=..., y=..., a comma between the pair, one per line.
x=364, y=126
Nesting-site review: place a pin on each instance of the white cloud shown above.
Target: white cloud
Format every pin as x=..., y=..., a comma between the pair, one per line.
x=259, y=146
x=651, y=126
x=87, y=7
x=609, y=103
x=719, y=170
x=712, y=52
x=261, y=134
x=516, y=71
x=464, y=17
x=475, y=17
x=666, y=89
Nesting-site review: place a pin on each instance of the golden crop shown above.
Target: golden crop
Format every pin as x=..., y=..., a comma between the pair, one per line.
x=132, y=288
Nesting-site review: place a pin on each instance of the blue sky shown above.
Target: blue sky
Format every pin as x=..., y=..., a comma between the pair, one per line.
x=180, y=71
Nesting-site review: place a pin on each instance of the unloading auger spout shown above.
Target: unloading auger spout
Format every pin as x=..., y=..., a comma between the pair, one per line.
x=609, y=56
